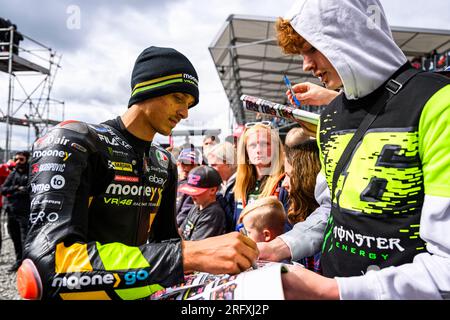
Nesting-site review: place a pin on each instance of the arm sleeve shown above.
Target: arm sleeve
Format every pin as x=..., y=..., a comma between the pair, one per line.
x=70, y=266
x=305, y=239
x=428, y=276
x=7, y=187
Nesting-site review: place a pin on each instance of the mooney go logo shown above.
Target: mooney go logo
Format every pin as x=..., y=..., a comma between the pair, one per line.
x=52, y=153
x=80, y=280
x=77, y=281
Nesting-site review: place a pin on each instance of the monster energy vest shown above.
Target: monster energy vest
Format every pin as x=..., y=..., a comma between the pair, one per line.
x=375, y=216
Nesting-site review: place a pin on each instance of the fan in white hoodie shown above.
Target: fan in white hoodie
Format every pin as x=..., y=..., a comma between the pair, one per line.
x=350, y=46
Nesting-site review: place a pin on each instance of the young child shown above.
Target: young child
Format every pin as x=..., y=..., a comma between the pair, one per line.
x=264, y=219
x=206, y=218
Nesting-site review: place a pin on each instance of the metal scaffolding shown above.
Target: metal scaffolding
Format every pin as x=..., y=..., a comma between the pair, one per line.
x=40, y=62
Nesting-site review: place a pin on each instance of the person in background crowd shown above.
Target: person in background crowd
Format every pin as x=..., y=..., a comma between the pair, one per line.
x=416, y=63
x=208, y=142
x=264, y=219
x=222, y=157
x=206, y=218
x=296, y=136
x=260, y=166
x=302, y=165
x=5, y=170
x=188, y=159
x=17, y=37
x=17, y=206
x=107, y=197
x=5, y=36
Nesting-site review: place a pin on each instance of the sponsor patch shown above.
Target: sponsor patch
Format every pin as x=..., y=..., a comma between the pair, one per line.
x=126, y=178
x=122, y=166
x=52, y=167
x=57, y=182
x=43, y=217
x=52, y=153
x=163, y=159
x=51, y=139
x=53, y=202
x=78, y=147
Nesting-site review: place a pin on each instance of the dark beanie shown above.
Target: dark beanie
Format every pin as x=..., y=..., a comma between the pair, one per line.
x=160, y=71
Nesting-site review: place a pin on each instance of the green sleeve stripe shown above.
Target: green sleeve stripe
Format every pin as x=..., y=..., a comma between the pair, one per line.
x=117, y=256
x=434, y=137
x=164, y=83
x=138, y=293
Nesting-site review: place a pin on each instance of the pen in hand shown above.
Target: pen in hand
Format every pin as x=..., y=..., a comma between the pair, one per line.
x=245, y=233
x=289, y=86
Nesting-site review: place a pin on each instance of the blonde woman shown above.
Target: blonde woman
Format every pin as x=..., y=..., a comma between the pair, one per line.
x=260, y=169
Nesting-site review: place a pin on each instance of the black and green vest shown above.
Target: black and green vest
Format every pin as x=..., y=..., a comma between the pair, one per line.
x=375, y=216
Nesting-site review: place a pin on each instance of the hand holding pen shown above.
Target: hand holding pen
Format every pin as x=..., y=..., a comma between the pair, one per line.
x=289, y=86
x=245, y=233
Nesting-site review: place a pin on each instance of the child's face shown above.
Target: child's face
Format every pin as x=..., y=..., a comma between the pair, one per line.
x=252, y=232
x=205, y=197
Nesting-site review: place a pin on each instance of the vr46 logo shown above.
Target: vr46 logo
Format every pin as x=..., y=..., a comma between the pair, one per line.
x=118, y=201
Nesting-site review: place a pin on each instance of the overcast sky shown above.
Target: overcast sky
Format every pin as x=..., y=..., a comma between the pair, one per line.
x=100, y=48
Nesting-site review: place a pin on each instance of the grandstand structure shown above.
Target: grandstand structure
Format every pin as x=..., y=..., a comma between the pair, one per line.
x=30, y=69
x=249, y=61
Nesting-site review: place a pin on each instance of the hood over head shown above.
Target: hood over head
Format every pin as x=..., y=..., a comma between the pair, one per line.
x=354, y=36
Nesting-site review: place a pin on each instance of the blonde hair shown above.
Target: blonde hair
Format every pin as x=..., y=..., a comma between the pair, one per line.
x=268, y=212
x=296, y=136
x=225, y=153
x=246, y=172
x=288, y=39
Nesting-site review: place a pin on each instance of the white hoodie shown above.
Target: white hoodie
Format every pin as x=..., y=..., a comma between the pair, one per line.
x=365, y=56
x=355, y=37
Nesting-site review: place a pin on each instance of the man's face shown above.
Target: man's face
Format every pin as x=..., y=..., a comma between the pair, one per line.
x=223, y=169
x=320, y=66
x=207, y=144
x=164, y=112
x=19, y=159
x=183, y=169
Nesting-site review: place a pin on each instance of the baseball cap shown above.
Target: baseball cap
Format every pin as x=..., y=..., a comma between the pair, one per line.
x=200, y=179
x=189, y=156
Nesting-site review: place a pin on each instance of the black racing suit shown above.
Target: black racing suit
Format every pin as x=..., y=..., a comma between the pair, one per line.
x=102, y=222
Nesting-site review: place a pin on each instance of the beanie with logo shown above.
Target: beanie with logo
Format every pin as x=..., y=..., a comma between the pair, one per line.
x=161, y=71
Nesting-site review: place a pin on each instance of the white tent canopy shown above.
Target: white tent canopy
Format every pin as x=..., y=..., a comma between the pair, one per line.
x=249, y=61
